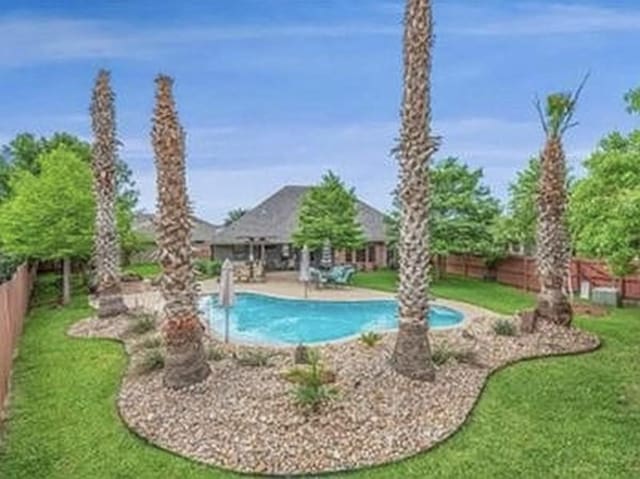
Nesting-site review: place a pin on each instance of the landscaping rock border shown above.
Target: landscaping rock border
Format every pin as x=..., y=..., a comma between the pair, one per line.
x=243, y=418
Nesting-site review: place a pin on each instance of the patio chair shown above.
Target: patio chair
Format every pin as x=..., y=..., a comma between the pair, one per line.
x=340, y=275
x=318, y=277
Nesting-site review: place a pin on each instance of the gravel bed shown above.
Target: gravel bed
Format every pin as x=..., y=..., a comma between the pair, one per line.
x=243, y=418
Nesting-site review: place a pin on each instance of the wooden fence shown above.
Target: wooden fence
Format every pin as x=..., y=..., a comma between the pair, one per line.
x=520, y=272
x=14, y=301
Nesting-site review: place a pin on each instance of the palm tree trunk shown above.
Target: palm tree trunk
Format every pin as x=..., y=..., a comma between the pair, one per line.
x=106, y=246
x=553, y=248
x=412, y=354
x=186, y=362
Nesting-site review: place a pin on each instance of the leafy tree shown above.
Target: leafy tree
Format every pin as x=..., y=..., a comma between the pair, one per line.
x=463, y=211
x=605, y=204
x=518, y=225
x=329, y=211
x=234, y=215
x=50, y=216
x=23, y=153
x=632, y=98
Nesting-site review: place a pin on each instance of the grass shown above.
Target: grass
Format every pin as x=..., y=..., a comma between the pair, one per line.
x=576, y=416
x=146, y=270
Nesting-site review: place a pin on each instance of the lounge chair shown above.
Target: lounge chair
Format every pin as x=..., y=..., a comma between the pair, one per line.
x=340, y=275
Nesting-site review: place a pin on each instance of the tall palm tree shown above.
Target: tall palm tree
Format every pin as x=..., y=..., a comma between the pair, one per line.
x=412, y=354
x=103, y=153
x=553, y=248
x=185, y=363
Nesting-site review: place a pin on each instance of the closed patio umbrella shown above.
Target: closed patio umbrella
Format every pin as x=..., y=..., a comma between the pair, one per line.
x=305, y=274
x=226, y=294
x=326, y=259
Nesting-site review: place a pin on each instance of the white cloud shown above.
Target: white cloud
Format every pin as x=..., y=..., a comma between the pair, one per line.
x=50, y=39
x=552, y=18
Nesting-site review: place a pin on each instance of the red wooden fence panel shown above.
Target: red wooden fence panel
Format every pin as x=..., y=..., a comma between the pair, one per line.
x=14, y=301
x=520, y=272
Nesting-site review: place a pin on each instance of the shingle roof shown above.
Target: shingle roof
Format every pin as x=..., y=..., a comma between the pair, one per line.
x=276, y=217
x=203, y=231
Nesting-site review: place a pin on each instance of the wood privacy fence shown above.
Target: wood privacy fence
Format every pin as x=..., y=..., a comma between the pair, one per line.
x=520, y=272
x=14, y=301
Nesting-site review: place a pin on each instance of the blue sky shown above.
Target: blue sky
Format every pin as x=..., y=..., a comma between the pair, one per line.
x=277, y=91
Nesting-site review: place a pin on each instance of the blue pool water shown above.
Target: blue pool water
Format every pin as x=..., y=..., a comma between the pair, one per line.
x=267, y=319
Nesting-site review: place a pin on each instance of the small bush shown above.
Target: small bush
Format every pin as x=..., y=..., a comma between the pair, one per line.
x=142, y=324
x=208, y=268
x=301, y=354
x=465, y=357
x=152, y=342
x=215, y=354
x=370, y=339
x=151, y=360
x=311, y=390
x=254, y=359
x=504, y=327
x=441, y=354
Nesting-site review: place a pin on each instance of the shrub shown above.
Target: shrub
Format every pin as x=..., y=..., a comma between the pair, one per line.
x=254, y=359
x=504, y=327
x=151, y=360
x=152, y=342
x=208, y=268
x=441, y=354
x=8, y=266
x=311, y=390
x=370, y=339
x=215, y=354
x=142, y=324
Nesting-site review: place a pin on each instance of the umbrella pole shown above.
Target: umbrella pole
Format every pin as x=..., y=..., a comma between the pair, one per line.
x=226, y=325
x=306, y=289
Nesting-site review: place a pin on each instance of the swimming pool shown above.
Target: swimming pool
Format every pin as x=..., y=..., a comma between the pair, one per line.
x=258, y=318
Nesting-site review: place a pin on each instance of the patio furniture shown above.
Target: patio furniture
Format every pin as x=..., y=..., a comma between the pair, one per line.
x=318, y=277
x=340, y=275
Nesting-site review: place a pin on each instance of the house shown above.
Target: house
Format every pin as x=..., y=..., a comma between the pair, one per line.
x=265, y=233
x=201, y=235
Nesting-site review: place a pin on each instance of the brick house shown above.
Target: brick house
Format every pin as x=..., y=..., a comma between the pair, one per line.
x=265, y=233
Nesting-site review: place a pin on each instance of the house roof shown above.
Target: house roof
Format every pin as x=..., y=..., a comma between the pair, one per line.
x=275, y=220
x=202, y=231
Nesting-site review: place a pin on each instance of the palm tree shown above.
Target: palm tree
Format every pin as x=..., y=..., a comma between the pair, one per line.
x=553, y=248
x=185, y=362
x=103, y=153
x=412, y=354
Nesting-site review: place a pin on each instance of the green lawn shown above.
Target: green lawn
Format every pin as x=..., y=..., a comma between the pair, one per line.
x=146, y=270
x=576, y=416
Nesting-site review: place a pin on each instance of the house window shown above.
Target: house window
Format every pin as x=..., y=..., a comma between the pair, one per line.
x=348, y=256
x=372, y=254
x=361, y=255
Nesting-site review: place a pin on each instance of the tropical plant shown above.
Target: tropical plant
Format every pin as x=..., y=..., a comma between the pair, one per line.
x=255, y=359
x=412, y=356
x=553, y=247
x=186, y=360
x=311, y=383
x=234, y=215
x=329, y=212
x=50, y=216
x=370, y=338
x=106, y=253
x=142, y=324
x=151, y=360
x=504, y=327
